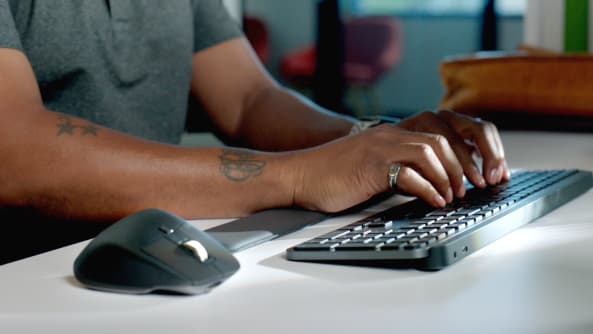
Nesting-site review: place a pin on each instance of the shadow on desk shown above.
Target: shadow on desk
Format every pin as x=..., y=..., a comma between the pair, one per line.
x=26, y=233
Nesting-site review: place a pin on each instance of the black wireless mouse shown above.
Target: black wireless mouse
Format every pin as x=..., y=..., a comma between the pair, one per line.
x=153, y=251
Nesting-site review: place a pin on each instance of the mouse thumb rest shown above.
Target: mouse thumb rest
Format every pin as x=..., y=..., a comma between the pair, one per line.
x=151, y=251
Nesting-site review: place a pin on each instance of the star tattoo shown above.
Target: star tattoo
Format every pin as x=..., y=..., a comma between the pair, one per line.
x=89, y=130
x=65, y=127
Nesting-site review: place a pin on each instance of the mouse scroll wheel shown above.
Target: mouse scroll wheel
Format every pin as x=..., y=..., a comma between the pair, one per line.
x=197, y=249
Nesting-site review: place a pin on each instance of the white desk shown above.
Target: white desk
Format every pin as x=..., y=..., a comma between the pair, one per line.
x=538, y=279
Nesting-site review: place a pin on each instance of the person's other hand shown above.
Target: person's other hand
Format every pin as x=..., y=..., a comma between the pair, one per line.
x=350, y=170
x=467, y=136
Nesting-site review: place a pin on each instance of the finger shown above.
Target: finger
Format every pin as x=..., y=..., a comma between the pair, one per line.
x=431, y=122
x=446, y=155
x=493, y=163
x=410, y=182
x=506, y=172
x=485, y=136
x=424, y=160
x=463, y=151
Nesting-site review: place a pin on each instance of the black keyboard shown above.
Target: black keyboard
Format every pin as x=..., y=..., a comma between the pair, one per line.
x=417, y=235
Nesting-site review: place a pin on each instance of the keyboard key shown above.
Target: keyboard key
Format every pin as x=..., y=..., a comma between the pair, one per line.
x=460, y=225
x=441, y=235
x=319, y=240
x=428, y=240
x=408, y=239
x=419, y=234
x=447, y=220
x=336, y=235
x=458, y=217
x=386, y=238
x=470, y=221
x=354, y=246
x=429, y=221
x=486, y=213
x=418, y=224
x=443, y=212
x=380, y=223
x=406, y=229
x=399, y=235
x=439, y=225
x=312, y=247
x=450, y=231
x=430, y=229
x=340, y=240
x=392, y=246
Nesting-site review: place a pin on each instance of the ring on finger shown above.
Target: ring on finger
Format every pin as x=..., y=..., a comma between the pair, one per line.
x=393, y=174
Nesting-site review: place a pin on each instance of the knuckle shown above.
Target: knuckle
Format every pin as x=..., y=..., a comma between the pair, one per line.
x=486, y=126
x=500, y=161
x=381, y=133
x=439, y=141
x=489, y=124
x=427, y=114
x=425, y=151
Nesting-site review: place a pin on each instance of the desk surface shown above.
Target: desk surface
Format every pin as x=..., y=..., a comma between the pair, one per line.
x=538, y=279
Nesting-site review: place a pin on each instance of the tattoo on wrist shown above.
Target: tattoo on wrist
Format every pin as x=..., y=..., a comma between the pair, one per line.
x=66, y=127
x=239, y=166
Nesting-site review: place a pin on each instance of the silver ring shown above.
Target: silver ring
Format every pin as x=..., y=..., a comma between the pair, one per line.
x=393, y=174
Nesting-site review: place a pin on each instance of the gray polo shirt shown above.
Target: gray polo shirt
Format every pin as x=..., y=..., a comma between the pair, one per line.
x=124, y=64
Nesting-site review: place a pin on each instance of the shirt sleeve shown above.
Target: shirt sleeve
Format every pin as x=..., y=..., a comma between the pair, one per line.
x=9, y=36
x=212, y=24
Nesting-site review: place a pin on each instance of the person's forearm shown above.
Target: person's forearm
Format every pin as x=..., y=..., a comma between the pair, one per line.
x=68, y=167
x=279, y=119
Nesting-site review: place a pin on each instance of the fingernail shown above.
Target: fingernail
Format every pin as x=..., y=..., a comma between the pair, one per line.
x=449, y=196
x=492, y=177
x=481, y=181
x=499, y=174
x=461, y=191
x=440, y=201
x=478, y=178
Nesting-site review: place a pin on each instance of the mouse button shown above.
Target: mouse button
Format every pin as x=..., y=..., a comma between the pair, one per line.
x=176, y=237
x=166, y=229
x=182, y=262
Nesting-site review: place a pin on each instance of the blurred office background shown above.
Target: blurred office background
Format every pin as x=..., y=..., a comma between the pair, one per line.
x=430, y=31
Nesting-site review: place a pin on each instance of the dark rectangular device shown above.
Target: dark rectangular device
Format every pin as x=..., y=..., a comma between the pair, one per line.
x=419, y=236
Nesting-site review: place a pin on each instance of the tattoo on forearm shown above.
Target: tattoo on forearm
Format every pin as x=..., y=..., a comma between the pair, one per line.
x=239, y=166
x=66, y=127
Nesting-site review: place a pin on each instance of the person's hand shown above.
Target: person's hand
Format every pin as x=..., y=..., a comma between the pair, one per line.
x=466, y=136
x=352, y=169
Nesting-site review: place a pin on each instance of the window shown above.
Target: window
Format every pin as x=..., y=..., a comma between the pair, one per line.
x=436, y=7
